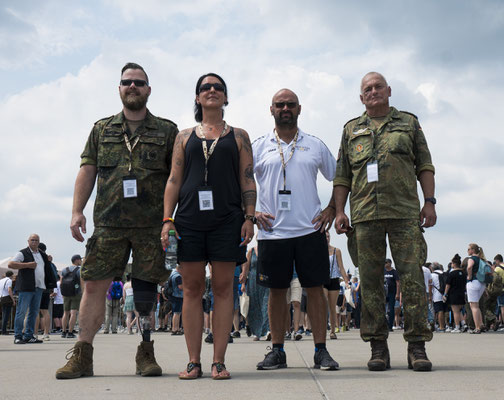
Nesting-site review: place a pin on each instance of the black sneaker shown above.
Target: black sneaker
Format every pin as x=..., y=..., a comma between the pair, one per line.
x=209, y=338
x=275, y=359
x=32, y=340
x=323, y=360
x=288, y=335
x=64, y=334
x=248, y=330
x=19, y=341
x=230, y=339
x=236, y=334
x=70, y=335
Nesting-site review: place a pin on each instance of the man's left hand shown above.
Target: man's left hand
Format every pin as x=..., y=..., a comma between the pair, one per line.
x=428, y=215
x=324, y=220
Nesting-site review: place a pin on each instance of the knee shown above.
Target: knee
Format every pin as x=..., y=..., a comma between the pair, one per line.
x=194, y=289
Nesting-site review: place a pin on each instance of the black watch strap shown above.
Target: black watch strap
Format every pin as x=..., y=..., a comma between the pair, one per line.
x=431, y=200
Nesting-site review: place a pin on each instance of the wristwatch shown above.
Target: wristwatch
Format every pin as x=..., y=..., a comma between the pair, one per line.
x=251, y=218
x=431, y=200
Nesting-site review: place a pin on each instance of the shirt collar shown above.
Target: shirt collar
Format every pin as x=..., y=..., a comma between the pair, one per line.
x=272, y=138
x=392, y=114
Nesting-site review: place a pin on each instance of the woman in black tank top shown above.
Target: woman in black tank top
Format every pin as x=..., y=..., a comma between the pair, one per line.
x=212, y=185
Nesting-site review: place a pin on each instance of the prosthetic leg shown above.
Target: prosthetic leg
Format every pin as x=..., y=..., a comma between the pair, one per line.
x=144, y=296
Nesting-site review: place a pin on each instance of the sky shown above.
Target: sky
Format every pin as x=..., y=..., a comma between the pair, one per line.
x=61, y=62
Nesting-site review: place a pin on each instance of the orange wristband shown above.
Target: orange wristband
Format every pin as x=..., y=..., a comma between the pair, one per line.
x=169, y=219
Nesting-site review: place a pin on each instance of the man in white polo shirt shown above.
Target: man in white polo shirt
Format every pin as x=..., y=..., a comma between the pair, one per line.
x=291, y=224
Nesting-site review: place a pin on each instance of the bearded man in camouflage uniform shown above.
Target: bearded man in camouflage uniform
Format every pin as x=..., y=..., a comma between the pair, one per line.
x=129, y=154
x=382, y=154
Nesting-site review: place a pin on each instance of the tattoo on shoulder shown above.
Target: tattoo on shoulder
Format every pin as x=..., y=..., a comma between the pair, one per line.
x=244, y=140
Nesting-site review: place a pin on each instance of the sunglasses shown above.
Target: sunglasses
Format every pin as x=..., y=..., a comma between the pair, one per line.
x=289, y=104
x=137, y=82
x=219, y=87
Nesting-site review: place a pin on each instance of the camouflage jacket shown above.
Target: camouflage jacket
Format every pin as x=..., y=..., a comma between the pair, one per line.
x=150, y=166
x=400, y=149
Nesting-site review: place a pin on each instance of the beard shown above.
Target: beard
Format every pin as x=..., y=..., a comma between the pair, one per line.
x=133, y=100
x=286, y=119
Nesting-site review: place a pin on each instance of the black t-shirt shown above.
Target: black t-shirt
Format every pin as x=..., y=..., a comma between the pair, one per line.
x=390, y=280
x=223, y=178
x=475, y=267
x=457, y=281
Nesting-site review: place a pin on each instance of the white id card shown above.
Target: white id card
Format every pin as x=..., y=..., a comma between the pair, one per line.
x=205, y=199
x=129, y=187
x=372, y=172
x=284, y=200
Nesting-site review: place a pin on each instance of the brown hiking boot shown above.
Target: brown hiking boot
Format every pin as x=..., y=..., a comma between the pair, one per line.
x=417, y=358
x=146, y=364
x=80, y=362
x=380, y=357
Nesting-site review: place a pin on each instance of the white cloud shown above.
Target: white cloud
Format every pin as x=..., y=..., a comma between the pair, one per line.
x=258, y=47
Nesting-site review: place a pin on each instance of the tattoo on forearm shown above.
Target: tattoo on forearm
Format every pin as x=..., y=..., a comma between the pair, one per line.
x=249, y=198
x=249, y=172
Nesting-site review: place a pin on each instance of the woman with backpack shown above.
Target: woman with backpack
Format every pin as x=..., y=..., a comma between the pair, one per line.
x=475, y=288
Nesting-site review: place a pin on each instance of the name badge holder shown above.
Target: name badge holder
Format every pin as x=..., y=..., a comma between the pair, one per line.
x=205, y=194
x=372, y=171
x=284, y=196
x=129, y=182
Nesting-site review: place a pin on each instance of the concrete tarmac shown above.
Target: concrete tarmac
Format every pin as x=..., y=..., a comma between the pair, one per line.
x=465, y=367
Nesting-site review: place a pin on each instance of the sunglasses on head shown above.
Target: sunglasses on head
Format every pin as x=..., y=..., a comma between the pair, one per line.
x=219, y=87
x=137, y=82
x=289, y=104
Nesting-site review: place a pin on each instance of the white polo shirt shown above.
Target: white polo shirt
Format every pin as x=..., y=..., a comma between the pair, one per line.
x=310, y=156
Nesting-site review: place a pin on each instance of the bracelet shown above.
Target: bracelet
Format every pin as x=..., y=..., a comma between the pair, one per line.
x=251, y=218
x=169, y=219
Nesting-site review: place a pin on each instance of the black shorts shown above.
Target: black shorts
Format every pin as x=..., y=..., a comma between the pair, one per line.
x=57, y=310
x=339, y=302
x=276, y=261
x=44, y=301
x=221, y=244
x=439, y=306
x=334, y=285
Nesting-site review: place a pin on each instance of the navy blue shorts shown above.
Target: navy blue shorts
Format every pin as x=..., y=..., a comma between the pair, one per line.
x=176, y=304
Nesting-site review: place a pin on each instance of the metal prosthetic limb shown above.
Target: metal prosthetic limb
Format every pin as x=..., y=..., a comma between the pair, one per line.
x=144, y=304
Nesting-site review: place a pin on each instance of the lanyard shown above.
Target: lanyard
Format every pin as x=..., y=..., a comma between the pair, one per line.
x=208, y=152
x=130, y=147
x=284, y=163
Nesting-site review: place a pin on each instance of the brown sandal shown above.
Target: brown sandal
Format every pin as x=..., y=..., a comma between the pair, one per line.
x=220, y=367
x=187, y=373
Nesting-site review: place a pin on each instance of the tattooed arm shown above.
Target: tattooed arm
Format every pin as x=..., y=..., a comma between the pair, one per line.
x=247, y=182
x=174, y=182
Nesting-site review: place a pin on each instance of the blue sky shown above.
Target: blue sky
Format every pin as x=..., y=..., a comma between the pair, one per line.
x=61, y=60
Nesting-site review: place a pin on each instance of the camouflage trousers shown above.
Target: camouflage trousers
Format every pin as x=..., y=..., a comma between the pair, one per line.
x=367, y=246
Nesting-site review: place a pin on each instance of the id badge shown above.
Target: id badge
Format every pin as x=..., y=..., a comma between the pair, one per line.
x=372, y=172
x=129, y=187
x=205, y=197
x=284, y=200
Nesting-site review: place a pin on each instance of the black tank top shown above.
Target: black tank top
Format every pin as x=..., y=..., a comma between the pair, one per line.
x=223, y=177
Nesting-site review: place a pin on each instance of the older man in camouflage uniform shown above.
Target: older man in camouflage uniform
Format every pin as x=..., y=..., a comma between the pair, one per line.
x=382, y=154
x=130, y=156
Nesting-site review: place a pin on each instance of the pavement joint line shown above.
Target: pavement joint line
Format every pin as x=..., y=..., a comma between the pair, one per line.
x=312, y=373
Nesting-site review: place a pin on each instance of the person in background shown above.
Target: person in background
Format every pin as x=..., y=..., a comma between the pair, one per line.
x=8, y=300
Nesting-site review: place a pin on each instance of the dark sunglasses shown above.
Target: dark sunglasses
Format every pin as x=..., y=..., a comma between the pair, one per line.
x=137, y=82
x=289, y=104
x=219, y=87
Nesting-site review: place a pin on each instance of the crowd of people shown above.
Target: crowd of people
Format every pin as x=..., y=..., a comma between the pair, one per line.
x=207, y=186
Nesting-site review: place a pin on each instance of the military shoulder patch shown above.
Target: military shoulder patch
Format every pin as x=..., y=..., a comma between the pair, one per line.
x=353, y=119
x=167, y=120
x=407, y=112
x=106, y=119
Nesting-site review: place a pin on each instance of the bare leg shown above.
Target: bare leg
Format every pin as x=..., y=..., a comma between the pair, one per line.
x=73, y=319
x=316, y=309
x=92, y=309
x=277, y=309
x=193, y=283
x=332, y=297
